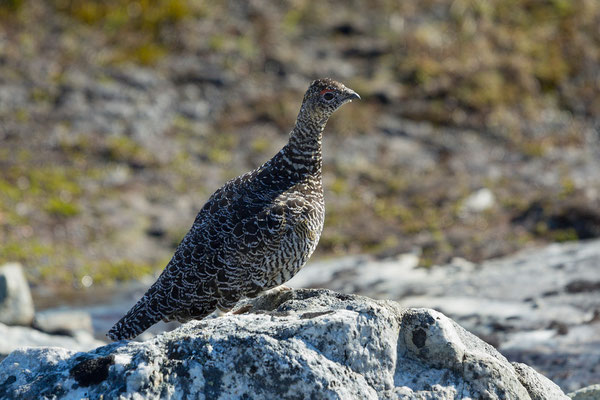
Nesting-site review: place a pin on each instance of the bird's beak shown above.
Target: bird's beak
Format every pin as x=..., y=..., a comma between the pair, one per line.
x=351, y=95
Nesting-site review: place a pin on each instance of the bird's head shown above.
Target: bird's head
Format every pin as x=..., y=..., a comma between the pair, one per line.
x=323, y=97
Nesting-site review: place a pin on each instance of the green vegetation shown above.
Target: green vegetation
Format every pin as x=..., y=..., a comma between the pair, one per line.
x=54, y=189
x=134, y=29
x=62, y=263
x=9, y=7
x=525, y=51
x=218, y=148
x=125, y=149
x=61, y=208
x=107, y=272
x=145, y=15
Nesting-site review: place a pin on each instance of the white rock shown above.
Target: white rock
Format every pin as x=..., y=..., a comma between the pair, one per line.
x=16, y=305
x=587, y=393
x=481, y=200
x=15, y=337
x=64, y=321
x=513, y=302
x=303, y=344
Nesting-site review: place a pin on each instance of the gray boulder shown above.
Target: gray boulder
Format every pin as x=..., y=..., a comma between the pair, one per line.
x=586, y=393
x=302, y=344
x=540, y=307
x=16, y=305
x=63, y=321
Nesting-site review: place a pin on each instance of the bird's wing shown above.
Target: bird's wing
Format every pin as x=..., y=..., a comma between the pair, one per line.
x=219, y=260
x=238, y=265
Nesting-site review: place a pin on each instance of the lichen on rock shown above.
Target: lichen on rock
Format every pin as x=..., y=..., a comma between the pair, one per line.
x=301, y=344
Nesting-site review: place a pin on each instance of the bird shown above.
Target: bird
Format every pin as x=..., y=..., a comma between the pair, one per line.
x=253, y=234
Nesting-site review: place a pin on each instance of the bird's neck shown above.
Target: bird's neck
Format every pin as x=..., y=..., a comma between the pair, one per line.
x=304, y=147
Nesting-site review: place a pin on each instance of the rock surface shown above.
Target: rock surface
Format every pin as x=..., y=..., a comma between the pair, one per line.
x=16, y=305
x=294, y=344
x=540, y=307
x=63, y=321
x=15, y=337
x=586, y=393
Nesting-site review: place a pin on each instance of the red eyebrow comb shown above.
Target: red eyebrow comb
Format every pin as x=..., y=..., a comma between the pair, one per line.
x=325, y=91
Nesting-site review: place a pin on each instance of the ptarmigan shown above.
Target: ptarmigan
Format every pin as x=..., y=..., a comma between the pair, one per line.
x=253, y=234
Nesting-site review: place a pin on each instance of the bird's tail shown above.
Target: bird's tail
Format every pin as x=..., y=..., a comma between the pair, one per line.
x=145, y=313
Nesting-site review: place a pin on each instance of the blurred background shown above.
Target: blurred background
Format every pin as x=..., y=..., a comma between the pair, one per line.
x=477, y=136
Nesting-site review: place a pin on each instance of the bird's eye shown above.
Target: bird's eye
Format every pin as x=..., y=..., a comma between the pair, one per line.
x=328, y=96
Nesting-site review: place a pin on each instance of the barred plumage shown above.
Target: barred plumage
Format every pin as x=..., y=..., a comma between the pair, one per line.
x=253, y=234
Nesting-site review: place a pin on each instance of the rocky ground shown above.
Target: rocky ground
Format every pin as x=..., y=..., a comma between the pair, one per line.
x=539, y=307
x=301, y=344
x=476, y=136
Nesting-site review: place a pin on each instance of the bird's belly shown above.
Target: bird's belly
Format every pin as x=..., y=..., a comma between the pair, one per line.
x=292, y=253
